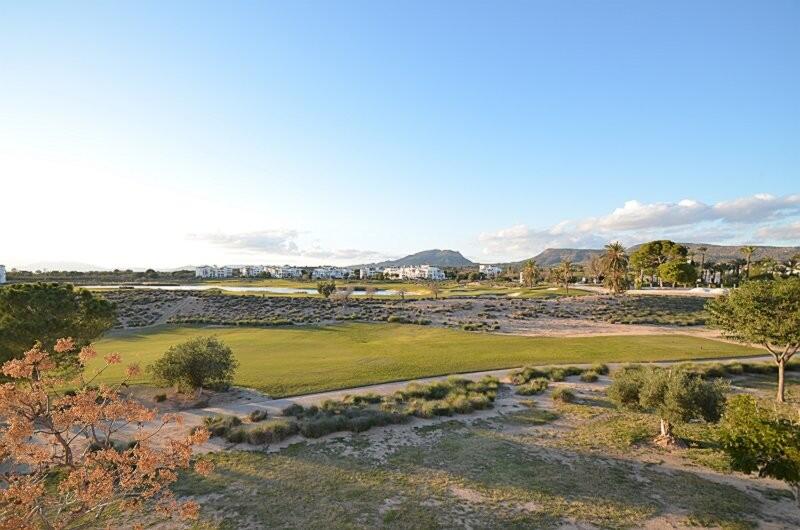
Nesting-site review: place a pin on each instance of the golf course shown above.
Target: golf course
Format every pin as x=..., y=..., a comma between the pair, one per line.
x=300, y=360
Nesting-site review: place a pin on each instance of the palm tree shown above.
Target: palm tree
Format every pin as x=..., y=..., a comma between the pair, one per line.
x=530, y=273
x=564, y=273
x=748, y=252
x=615, y=267
x=702, y=251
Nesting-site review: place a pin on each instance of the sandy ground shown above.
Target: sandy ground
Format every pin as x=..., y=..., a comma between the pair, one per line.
x=241, y=402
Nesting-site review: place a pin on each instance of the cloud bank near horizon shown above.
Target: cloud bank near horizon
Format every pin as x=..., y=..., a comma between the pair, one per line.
x=285, y=243
x=760, y=218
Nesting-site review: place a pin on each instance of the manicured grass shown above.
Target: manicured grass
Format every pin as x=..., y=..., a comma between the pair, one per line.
x=449, y=289
x=290, y=361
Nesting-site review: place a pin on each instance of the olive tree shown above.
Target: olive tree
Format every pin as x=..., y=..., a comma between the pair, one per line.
x=674, y=395
x=766, y=313
x=202, y=362
x=758, y=439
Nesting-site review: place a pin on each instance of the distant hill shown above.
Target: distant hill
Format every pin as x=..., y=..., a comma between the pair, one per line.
x=715, y=253
x=554, y=256
x=58, y=266
x=435, y=257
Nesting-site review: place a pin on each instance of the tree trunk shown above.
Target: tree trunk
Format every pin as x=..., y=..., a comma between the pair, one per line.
x=666, y=428
x=781, y=370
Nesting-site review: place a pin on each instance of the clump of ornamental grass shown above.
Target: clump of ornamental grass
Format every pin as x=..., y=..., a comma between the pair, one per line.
x=532, y=387
x=564, y=395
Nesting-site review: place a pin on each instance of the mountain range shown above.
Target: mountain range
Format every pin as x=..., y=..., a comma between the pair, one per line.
x=554, y=256
x=714, y=253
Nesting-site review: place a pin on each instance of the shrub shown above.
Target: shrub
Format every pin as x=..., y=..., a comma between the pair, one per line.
x=758, y=439
x=221, y=425
x=600, y=368
x=526, y=374
x=589, y=376
x=160, y=398
x=195, y=364
x=257, y=415
x=557, y=374
x=271, y=432
x=321, y=425
x=565, y=395
x=294, y=409
x=236, y=436
x=625, y=387
x=534, y=386
x=398, y=319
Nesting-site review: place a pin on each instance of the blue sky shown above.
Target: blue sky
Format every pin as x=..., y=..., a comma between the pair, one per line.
x=341, y=132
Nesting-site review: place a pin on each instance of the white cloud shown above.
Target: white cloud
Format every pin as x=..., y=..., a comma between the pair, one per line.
x=263, y=241
x=740, y=220
x=636, y=215
x=759, y=207
x=785, y=232
x=284, y=243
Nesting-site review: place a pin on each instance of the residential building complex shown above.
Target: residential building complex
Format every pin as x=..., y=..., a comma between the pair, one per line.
x=416, y=272
x=490, y=271
x=330, y=273
x=207, y=271
x=252, y=270
x=284, y=272
x=367, y=273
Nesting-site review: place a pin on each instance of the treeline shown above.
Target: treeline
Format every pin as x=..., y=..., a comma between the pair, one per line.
x=660, y=263
x=97, y=277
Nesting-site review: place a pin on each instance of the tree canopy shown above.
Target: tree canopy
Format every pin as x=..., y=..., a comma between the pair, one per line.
x=675, y=395
x=677, y=272
x=757, y=439
x=765, y=313
x=201, y=362
x=45, y=312
x=651, y=255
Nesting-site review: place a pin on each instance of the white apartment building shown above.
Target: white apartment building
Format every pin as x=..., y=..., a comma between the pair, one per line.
x=207, y=271
x=490, y=271
x=367, y=273
x=414, y=272
x=2, y=274
x=330, y=273
x=284, y=272
x=252, y=271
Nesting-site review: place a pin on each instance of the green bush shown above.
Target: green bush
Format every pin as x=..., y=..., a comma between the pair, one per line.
x=534, y=386
x=257, y=415
x=526, y=374
x=221, y=425
x=201, y=362
x=294, y=409
x=557, y=374
x=272, y=432
x=625, y=387
x=600, y=368
x=589, y=376
x=236, y=436
x=565, y=395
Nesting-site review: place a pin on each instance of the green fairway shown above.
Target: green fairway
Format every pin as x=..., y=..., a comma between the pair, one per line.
x=290, y=361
